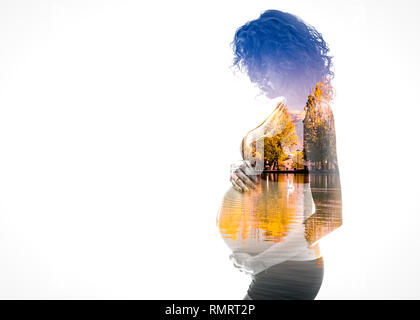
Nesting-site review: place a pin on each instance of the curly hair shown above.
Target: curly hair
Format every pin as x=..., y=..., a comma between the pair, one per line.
x=282, y=55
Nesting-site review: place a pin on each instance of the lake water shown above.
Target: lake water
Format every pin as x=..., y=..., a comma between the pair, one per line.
x=280, y=221
x=252, y=221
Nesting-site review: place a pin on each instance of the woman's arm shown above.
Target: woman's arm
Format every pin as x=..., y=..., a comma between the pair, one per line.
x=277, y=253
x=328, y=209
x=325, y=182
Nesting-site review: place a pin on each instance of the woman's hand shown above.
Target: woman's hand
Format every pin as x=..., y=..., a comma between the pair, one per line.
x=246, y=263
x=243, y=177
x=239, y=259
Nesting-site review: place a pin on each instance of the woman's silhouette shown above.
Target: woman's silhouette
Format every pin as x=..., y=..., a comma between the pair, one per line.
x=286, y=192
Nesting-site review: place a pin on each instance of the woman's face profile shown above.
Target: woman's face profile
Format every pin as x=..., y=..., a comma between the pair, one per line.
x=277, y=85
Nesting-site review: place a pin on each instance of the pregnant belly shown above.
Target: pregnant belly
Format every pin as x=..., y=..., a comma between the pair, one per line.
x=253, y=221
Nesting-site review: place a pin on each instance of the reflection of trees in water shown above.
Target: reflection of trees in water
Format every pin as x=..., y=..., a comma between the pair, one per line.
x=275, y=211
x=265, y=214
x=268, y=213
x=326, y=193
x=296, y=177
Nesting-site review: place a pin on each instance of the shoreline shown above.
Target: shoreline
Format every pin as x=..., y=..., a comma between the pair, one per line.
x=299, y=171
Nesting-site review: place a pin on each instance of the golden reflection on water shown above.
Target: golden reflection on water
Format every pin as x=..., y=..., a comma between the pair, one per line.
x=326, y=192
x=252, y=221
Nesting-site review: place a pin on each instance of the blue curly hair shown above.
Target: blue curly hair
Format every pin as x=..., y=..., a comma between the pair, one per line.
x=282, y=55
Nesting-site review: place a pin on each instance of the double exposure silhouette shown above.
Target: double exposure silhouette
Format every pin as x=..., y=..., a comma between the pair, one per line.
x=286, y=192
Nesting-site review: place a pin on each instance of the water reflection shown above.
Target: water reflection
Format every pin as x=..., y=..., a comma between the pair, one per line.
x=273, y=231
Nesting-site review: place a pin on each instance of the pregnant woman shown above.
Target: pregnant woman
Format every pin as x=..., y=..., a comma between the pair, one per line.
x=286, y=192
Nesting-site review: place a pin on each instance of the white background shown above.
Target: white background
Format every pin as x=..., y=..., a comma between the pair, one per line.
x=118, y=123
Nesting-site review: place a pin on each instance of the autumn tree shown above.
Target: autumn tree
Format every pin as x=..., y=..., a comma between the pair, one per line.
x=319, y=130
x=280, y=139
x=298, y=160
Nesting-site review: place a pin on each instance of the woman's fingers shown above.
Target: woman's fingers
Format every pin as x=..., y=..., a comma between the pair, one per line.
x=232, y=258
x=238, y=183
x=239, y=259
x=253, y=178
x=241, y=184
x=245, y=179
x=242, y=177
x=249, y=171
x=235, y=185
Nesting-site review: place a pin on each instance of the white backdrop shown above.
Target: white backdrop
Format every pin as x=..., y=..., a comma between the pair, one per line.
x=118, y=123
